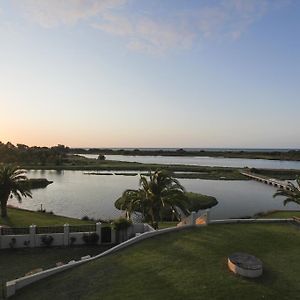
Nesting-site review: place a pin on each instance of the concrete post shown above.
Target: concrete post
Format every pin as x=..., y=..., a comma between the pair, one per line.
x=130, y=231
x=193, y=218
x=32, y=235
x=207, y=215
x=10, y=288
x=0, y=237
x=98, y=231
x=113, y=236
x=66, y=234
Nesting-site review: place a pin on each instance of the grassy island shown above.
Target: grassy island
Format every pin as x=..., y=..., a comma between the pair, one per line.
x=91, y=166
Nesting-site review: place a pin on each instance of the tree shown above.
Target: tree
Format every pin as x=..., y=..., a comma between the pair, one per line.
x=13, y=182
x=292, y=192
x=160, y=192
x=101, y=157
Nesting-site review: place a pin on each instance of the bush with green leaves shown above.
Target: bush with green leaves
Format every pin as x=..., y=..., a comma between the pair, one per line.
x=12, y=243
x=90, y=238
x=47, y=240
x=72, y=240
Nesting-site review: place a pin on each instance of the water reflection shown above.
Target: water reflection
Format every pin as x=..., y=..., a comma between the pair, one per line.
x=75, y=194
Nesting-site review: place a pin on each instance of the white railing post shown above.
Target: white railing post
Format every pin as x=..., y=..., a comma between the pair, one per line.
x=207, y=215
x=32, y=235
x=113, y=236
x=193, y=218
x=0, y=237
x=66, y=234
x=10, y=288
x=98, y=231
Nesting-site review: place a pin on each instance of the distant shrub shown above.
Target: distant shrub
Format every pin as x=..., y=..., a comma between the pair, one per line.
x=86, y=218
x=90, y=238
x=47, y=240
x=45, y=211
x=101, y=157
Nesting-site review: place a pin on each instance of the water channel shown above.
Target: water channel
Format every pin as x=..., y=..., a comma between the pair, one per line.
x=76, y=194
x=205, y=161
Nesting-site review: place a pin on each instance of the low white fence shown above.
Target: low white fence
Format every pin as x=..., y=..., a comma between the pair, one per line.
x=64, y=235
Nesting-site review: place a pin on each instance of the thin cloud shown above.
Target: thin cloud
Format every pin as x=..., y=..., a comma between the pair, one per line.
x=175, y=30
x=51, y=13
x=146, y=35
x=225, y=19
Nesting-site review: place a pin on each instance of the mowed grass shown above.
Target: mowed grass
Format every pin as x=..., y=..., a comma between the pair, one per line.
x=167, y=224
x=16, y=262
x=22, y=218
x=283, y=214
x=190, y=264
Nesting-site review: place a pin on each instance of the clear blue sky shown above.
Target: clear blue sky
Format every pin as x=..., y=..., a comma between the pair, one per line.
x=159, y=73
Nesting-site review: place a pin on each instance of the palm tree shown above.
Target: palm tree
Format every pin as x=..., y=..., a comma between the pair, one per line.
x=13, y=182
x=161, y=191
x=131, y=201
x=292, y=192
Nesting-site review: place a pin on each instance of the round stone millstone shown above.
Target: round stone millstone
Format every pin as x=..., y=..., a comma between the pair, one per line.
x=245, y=265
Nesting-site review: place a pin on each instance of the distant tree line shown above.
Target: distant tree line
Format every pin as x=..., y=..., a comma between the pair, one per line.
x=57, y=155
x=22, y=154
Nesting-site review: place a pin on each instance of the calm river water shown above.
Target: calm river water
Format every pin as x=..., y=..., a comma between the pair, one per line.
x=75, y=194
x=206, y=161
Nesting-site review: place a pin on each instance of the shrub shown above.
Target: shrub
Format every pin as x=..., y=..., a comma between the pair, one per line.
x=101, y=157
x=47, y=240
x=26, y=243
x=90, y=238
x=86, y=218
x=12, y=243
x=72, y=240
x=121, y=223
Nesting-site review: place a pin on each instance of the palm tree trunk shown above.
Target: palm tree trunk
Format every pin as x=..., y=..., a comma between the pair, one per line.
x=152, y=219
x=3, y=208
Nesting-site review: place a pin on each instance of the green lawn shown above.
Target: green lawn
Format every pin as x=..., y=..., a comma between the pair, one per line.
x=15, y=263
x=191, y=264
x=163, y=225
x=21, y=218
x=282, y=214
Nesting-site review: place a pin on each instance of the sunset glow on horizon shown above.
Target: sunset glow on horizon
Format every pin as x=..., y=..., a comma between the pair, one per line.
x=119, y=73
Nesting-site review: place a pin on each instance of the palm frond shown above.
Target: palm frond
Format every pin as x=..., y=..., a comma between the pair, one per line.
x=292, y=192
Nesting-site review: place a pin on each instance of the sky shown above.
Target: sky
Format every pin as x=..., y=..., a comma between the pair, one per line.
x=159, y=73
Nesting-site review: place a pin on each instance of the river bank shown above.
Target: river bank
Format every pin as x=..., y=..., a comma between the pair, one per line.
x=291, y=155
x=181, y=171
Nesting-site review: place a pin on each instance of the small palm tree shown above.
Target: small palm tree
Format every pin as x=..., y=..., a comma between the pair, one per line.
x=292, y=192
x=161, y=191
x=131, y=201
x=13, y=182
